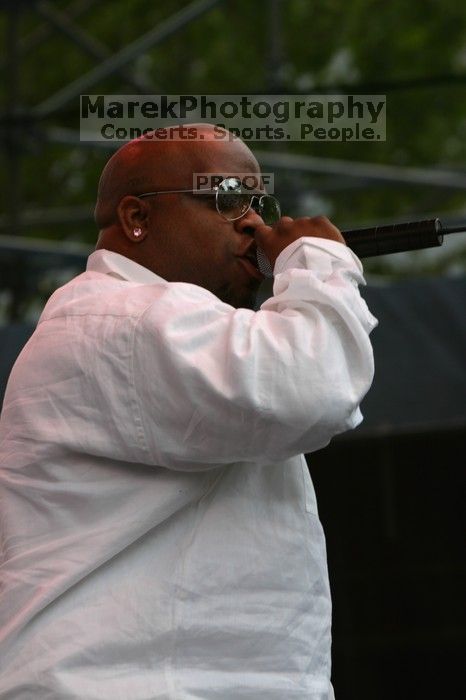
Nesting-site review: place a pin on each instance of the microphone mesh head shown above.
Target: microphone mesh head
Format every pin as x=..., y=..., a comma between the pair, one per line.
x=263, y=263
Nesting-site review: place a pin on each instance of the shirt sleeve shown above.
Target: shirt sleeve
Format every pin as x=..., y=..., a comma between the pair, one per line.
x=217, y=385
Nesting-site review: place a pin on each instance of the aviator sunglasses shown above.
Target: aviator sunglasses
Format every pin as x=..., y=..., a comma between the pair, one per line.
x=233, y=200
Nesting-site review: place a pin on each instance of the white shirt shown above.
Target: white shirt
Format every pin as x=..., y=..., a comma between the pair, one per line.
x=159, y=531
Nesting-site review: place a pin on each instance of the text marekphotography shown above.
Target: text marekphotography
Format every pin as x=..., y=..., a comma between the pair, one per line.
x=251, y=117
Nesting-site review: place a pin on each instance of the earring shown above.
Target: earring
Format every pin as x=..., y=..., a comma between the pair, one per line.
x=137, y=232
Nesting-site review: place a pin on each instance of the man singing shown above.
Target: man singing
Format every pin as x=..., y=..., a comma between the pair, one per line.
x=159, y=530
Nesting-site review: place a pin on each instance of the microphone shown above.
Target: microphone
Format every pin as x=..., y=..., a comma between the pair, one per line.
x=383, y=240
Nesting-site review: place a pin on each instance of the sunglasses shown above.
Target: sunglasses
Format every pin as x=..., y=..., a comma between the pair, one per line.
x=233, y=200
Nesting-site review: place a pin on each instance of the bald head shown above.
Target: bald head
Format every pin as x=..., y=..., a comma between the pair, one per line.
x=180, y=236
x=148, y=164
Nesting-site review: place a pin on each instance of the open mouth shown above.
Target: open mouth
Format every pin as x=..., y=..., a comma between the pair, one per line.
x=251, y=264
x=252, y=257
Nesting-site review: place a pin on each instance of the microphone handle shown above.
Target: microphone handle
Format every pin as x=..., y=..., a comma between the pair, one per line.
x=395, y=238
x=382, y=240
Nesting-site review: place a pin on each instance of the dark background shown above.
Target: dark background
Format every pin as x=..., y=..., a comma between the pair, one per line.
x=391, y=499
x=392, y=510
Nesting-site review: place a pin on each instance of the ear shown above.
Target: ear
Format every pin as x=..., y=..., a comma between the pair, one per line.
x=133, y=215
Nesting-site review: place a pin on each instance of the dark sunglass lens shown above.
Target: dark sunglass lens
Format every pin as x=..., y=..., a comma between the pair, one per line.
x=233, y=205
x=269, y=209
x=230, y=184
x=231, y=201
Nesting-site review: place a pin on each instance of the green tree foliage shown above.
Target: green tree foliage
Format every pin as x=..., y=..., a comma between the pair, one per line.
x=414, y=52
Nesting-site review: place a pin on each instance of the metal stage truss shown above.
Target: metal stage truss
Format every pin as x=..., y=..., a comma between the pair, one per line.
x=43, y=120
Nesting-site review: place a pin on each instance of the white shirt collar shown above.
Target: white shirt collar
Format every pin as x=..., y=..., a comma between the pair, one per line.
x=117, y=265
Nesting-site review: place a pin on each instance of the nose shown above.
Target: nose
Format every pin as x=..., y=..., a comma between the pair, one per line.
x=248, y=222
